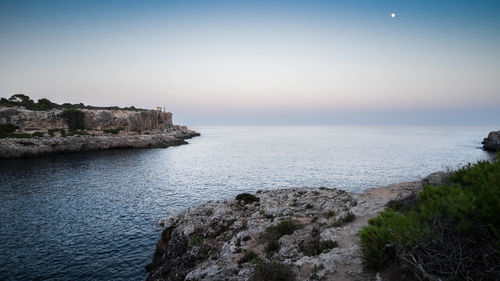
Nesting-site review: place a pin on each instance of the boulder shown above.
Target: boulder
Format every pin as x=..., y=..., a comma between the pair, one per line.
x=436, y=178
x=492, y=142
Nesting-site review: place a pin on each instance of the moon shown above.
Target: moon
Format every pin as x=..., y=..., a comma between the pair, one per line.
x=393, y=15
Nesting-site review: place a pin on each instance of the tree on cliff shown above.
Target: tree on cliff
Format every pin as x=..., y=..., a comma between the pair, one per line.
x=28, y=103
x=22, y=100
x=74, y=118
x=45, y=104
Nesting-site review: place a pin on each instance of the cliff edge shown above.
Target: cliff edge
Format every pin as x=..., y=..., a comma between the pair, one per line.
x=31, y=130
x=286, y=234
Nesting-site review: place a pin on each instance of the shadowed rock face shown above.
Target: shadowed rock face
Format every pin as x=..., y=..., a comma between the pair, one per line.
x=492, y=142
x=93, y=119
x=31, y=120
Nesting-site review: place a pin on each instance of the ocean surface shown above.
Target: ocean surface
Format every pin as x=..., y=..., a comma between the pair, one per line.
x=91, y=216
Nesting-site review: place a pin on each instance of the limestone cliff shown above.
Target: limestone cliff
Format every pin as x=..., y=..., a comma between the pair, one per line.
x=28, y=133
x=93, y=119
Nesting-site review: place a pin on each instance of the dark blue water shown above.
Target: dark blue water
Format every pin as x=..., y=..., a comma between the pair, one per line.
x=91, y=216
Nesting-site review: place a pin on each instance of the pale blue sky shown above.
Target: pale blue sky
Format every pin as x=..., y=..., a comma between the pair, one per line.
x=261, y=62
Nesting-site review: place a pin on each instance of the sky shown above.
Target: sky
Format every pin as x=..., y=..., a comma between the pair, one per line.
x=261, y=62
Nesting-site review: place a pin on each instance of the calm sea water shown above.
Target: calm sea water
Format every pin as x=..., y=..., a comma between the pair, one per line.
x=91, y=216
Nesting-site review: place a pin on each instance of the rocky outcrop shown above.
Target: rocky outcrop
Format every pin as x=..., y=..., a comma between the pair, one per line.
x=214, y=241
x=99, y=129
x=436, y=178
x=93, y=119
x=492, y=142
x=16, y=148
x=32, y=120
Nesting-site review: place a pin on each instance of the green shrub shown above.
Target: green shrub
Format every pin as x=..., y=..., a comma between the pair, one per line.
x=451, y=231
x=18, y=136
x=272, y=271
x=285, y=227
x=319, y=247
x=229, y=237
x=248, y=256
x=7, y=128
x=22, y=100
x=247, y=198
x=74, y=118
x=195, y=240
x=309, y=206
x=27, y=102
x=378, y=238
x=44, y=104
x=38, y=134
x=272, y=247
x=274, y=233
x=7, y=103
x=330, y=214
x=7, y=131
x=403, y=204
x=209, y=212
x=317, y=268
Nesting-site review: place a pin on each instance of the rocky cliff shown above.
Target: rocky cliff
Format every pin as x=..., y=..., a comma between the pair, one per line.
x=287, y=234
x=492, y=142
x=28, y=133
x=91, y=119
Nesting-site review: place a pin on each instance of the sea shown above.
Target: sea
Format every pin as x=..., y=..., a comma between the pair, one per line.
x=92, y=215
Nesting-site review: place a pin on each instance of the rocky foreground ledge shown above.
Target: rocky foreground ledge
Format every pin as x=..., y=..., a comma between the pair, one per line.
x=310, y=233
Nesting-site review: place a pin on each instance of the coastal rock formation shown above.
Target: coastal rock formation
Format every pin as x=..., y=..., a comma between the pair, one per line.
x=32, y=120
x=93, y=119
x=230, y=239
x=492, y=142
x=41, y=132
x=16, y=148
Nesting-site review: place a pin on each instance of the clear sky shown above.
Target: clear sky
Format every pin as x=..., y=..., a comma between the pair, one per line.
x=261, y=62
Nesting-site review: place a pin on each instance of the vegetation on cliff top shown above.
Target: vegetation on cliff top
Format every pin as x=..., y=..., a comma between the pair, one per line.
x=8, y=131
x=447, y=232
x=45, y=104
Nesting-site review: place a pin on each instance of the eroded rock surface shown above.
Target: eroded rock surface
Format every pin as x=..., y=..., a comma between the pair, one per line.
x=16, y=148
x=101, y=129
x=207, y=241
x=93, y=119
x=492, y=142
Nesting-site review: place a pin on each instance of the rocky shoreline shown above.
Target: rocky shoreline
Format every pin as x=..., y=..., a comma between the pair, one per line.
x=228, y=239
x=35, y=132
x=38, y=146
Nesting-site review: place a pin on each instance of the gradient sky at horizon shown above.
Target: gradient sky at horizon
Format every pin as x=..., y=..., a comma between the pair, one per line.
x=261, y=62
